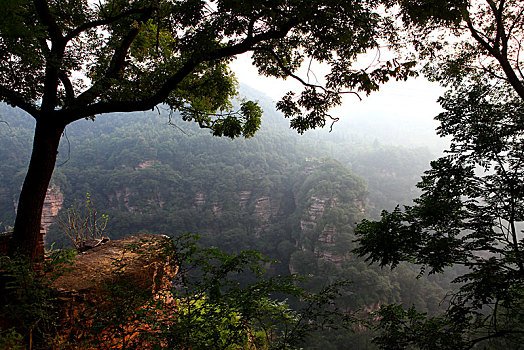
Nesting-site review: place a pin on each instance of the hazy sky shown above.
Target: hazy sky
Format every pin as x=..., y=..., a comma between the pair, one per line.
x=403, y=109
x=416, y=98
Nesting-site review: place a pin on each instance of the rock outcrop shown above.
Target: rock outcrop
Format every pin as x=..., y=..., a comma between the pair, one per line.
x=323, y=244
x=135, y=261
x=199, y=199
x=316, y=211
x=94, y=269
x=54, y=201
x=243, y=199
x=145, y=164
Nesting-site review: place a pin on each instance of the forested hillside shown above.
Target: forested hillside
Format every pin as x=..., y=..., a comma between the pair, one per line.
x=295, y=198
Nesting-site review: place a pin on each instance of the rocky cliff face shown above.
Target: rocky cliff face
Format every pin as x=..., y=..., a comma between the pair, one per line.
x=54, y=201
x=199, y=199
x=85, y=289
x=267, y=210
x=145, y=164
x=323, y=244
x=329, y=202
x=315, y=211
x=121, y=198
x=243, y=198
x=325, y=247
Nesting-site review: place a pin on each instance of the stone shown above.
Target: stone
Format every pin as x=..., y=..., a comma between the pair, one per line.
x=83, y=288
x=96, y=267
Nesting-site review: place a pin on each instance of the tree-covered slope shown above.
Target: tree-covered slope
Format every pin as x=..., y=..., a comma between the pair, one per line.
x=294, y=198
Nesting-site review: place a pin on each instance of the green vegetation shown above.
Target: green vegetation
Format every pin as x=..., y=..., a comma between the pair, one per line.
x=241, y=195
x=174, y=53
x=471, y=209
x=209, y=306
x=28, y=301
x=295, y=200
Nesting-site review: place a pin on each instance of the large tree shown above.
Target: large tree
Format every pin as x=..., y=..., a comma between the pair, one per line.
x=64, y=60
x=471, y=211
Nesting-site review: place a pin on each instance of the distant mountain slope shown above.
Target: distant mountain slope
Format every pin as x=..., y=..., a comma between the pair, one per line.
x=294, y=197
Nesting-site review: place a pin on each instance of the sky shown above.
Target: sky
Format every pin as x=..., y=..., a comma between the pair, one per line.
x=413, y=98
x=413, y=101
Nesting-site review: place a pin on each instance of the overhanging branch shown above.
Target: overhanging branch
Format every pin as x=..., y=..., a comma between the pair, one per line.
x=83, y=109
x=115, y=66
x=302, y=81
x=16, y=100
x=102, y=22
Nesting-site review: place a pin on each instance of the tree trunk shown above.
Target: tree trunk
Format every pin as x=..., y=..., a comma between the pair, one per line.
x=26, y=238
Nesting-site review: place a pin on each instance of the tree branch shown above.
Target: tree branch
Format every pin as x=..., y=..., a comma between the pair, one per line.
x=15, y=100
x=45, y=15
x=115, y=66
x=54, y=57
x=494, y=335
x=515, y=22
x=70, y=93
x=302, y=81
x=101, y=22
x=503, y=60
x=144, y=104
x=518, y=60
x=501, y=34
x=85, y=110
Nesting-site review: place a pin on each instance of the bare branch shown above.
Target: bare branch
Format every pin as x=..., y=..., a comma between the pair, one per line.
x=170, y=123
x=333, y=121
x=68, y=149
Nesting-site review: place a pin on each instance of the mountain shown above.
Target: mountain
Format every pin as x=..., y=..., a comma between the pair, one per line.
x=296, y=198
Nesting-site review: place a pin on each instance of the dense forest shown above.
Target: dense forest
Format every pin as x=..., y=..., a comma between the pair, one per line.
x=353, y=260
x=295, y=198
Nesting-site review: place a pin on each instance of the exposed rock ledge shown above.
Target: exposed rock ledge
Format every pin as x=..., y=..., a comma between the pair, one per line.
x=83, y=288
x=95, y=268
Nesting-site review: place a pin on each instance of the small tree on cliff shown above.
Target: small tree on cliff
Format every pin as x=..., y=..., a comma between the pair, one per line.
x=61, y=61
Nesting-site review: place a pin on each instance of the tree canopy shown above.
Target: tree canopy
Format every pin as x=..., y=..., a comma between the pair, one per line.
x=133, y=55
x=471, y=209
x=62, y=61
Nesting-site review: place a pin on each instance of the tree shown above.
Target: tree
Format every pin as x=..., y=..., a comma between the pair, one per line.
x=471, y=209
x=61, y=61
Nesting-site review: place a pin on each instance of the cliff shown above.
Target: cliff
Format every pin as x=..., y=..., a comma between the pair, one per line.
x=53, y=203
x=107, y=278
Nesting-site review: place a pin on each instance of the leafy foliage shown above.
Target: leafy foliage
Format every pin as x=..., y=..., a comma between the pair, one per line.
x=73, y=60
x=177, y=53
x=106, y=159
x=469, y=214
x=209, y=307
x=29, y=307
